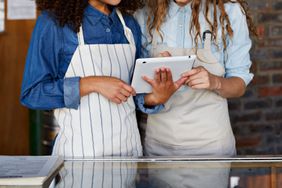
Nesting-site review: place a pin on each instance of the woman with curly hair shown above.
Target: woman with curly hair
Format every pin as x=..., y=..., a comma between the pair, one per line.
x=194, y=119
x=79, y=63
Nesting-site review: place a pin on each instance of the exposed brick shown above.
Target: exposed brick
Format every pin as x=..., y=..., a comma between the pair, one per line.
x=234, y=105
x=249, y=93
x=267, y=54
x=275, y=31
x=270, y=91
x=279, y=103
x=274, y=139
x=255, y=63
x=273, y=42
x=277, y=78
x=270, y=65
x=278, y=128
x=247, y=117
x=258, y=128
x=279, y=150
x=265, y=17
x=259, y=4
x=261, y=80
x=277, y=115
x=261, y=33
x=250, y=141
x=257, y=104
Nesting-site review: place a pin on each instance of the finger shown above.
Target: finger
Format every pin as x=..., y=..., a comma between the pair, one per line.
x=157, y=75
x=196, y=76
x=129, y=89
x=163, y=75
x=169, y=75
x=133, y=93
x=121, y=97
x=165, y=54
x=196, y=82
x=180, y=82
x=200, y=86
x=148, y=80
x=192, y=72
x=125, y=92
x=116, y=100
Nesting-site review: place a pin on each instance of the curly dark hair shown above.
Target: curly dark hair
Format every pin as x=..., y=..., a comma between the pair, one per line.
x=70, y=12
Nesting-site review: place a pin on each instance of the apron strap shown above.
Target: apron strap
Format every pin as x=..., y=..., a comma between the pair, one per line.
x=207, y=35
x=80, y=36
x=127, y=32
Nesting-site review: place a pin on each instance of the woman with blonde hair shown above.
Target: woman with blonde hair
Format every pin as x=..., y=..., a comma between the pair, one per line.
x=194, y=117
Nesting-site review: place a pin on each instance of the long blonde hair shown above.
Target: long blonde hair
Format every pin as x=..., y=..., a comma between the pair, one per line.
x=158, y=10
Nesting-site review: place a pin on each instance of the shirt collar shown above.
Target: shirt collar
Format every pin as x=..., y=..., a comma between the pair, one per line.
x=175, y=8
x=97, y=15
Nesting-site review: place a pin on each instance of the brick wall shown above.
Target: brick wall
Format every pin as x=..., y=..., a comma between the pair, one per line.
x=257, y=117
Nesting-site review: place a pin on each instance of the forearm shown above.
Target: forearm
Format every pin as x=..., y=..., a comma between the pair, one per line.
x=230, y=87
x=88, y=85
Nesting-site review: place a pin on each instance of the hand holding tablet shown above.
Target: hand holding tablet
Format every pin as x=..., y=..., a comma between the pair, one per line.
x=147, y=66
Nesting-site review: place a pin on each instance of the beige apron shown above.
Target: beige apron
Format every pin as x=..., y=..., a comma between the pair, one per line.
x=193, y=122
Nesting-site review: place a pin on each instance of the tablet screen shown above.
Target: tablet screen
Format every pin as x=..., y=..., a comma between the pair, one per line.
x=147, y=67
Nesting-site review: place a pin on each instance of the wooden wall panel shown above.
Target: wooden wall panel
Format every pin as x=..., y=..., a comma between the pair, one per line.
x=14, y=123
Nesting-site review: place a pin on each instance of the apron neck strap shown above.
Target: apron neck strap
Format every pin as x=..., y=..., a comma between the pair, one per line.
x=80, y=36
x=127, y=32
x=207, y=34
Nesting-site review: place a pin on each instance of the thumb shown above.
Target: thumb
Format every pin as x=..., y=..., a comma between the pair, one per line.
x=180, y=82
x=165, y=54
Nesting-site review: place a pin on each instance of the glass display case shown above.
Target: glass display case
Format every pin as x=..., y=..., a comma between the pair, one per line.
x=241, y=172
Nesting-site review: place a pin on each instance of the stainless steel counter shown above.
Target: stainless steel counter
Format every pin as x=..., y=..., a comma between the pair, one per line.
x=240, y=172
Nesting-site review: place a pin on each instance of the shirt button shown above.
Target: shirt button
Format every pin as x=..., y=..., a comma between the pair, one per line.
x=108, y=30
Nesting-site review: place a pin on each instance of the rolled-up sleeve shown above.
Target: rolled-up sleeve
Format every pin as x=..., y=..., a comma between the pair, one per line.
x=72, y=92
x=238, y=63
x=43, y=86
x=140, y=103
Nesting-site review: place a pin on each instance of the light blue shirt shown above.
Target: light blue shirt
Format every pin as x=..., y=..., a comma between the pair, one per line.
x=176, y=33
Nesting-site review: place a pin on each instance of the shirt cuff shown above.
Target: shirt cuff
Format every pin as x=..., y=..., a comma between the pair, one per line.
x=139, y=100
x=72, y=92
x=246, y=77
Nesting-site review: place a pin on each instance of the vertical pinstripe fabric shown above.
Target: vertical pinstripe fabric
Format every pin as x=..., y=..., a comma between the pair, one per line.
x=100, y=127
x=89, y=174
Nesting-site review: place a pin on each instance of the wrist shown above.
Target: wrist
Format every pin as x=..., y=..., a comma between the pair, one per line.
x=88, y=85
x=151, y=100
x=217, y=85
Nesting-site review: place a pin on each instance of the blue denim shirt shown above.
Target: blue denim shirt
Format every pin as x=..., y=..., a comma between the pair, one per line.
x=175, y=31
x=50, y=52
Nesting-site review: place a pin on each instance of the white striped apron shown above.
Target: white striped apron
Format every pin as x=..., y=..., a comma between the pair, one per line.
x=100, y=127
x=89, y=174
x=194, y=121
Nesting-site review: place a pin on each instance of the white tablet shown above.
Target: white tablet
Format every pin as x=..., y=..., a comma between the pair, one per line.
x=147, y=67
